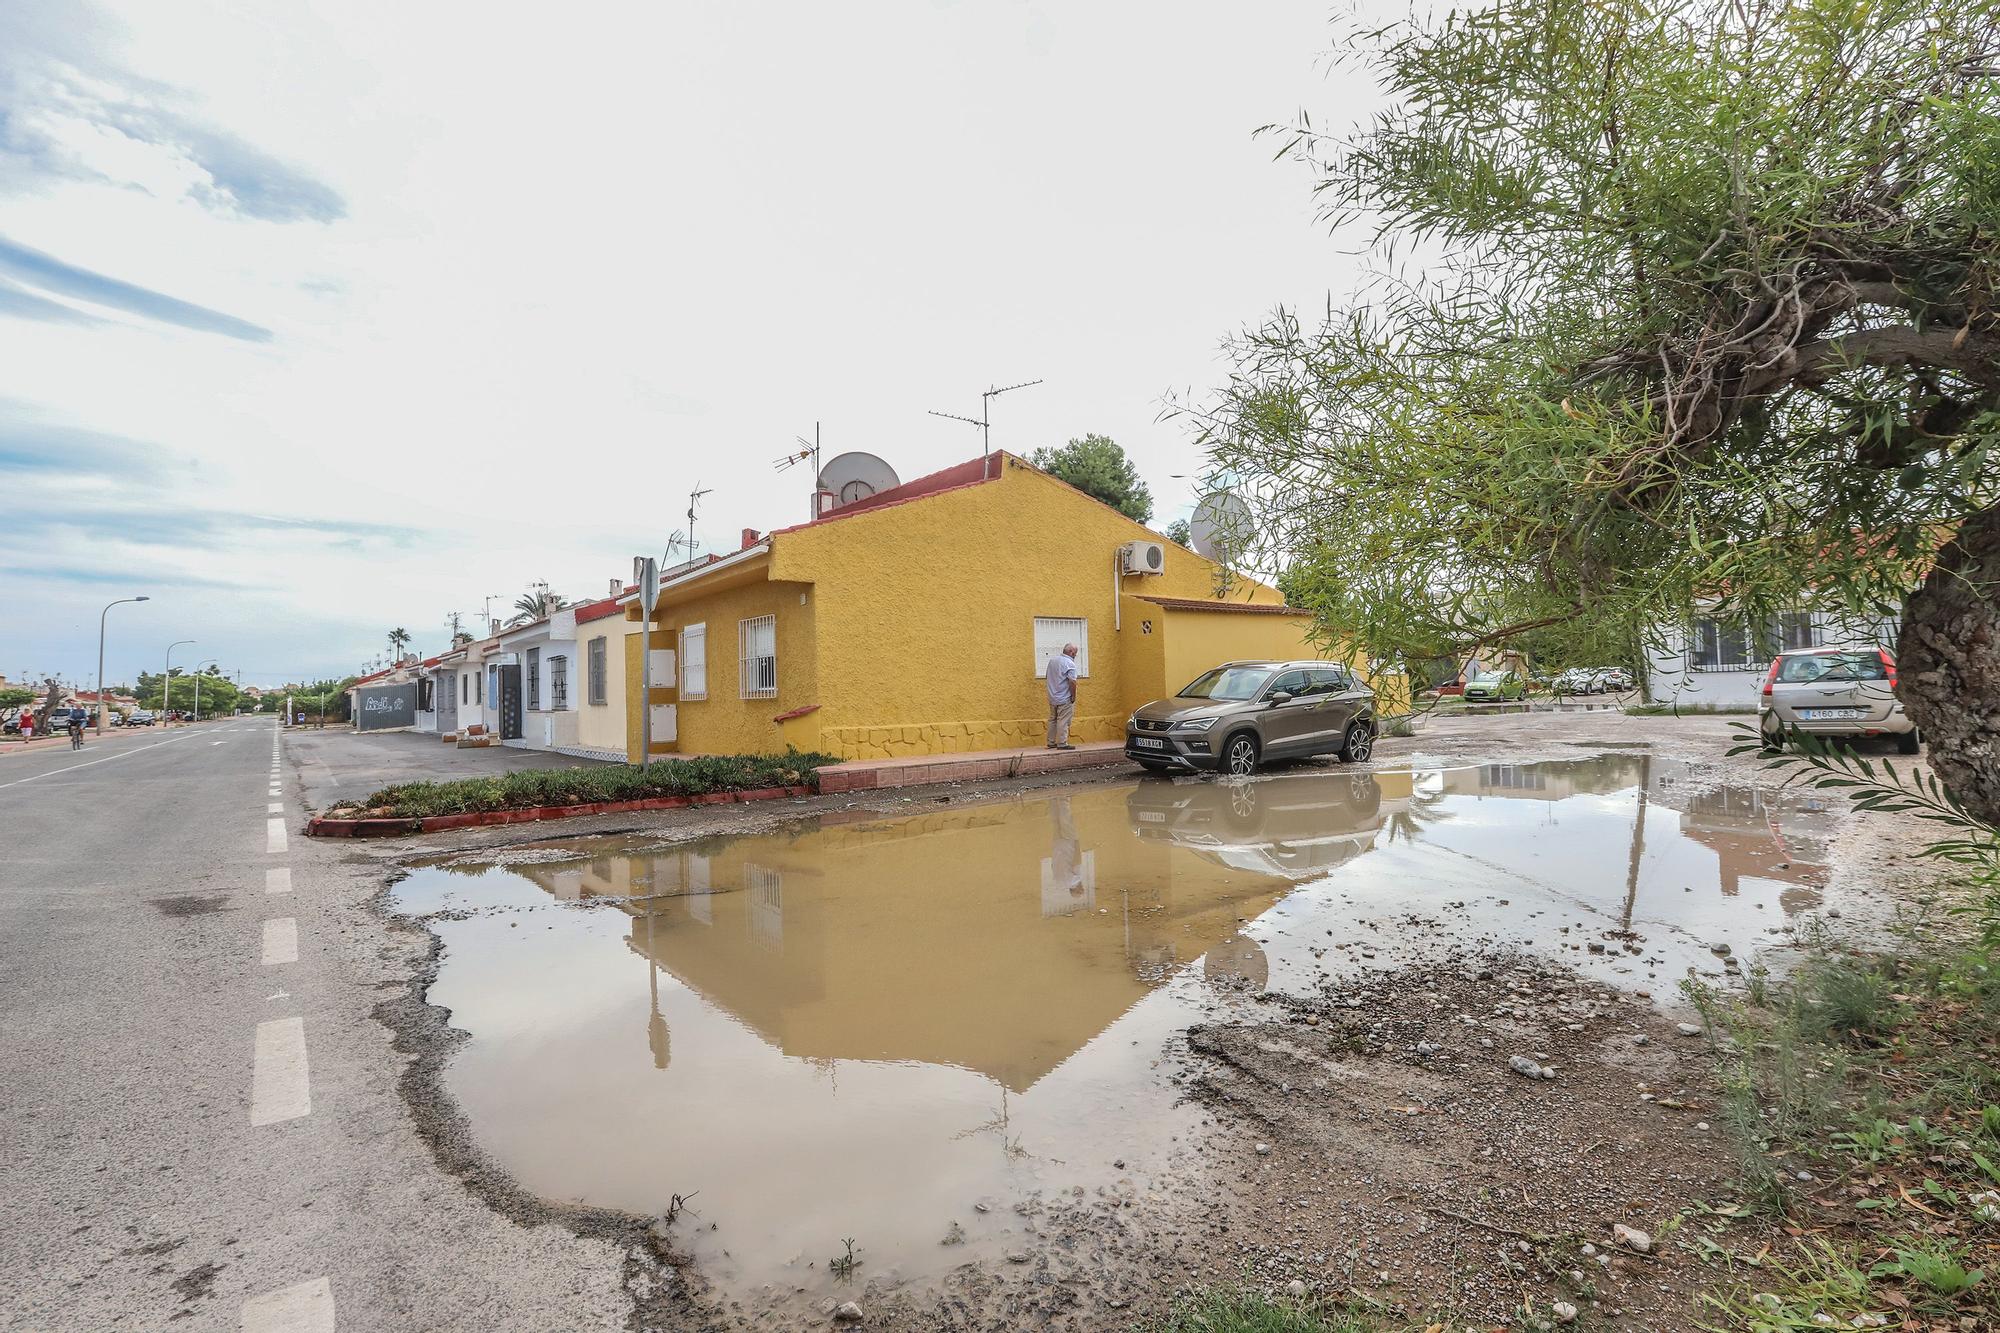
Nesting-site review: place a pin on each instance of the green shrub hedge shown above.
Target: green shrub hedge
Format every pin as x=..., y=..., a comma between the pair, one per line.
x=578, y=786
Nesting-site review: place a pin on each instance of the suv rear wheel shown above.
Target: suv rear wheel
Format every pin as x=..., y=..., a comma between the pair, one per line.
x=1239, y=755
x=1908, y=742
x=1358, y=744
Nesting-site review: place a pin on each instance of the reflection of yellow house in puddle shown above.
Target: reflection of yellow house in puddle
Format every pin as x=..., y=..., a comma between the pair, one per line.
x=998, y=938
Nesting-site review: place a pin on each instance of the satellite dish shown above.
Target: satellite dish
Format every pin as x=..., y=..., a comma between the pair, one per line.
x=1220, y=528
x=856, y=476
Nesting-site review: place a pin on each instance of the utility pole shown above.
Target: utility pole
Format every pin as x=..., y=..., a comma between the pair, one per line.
x=984, y=421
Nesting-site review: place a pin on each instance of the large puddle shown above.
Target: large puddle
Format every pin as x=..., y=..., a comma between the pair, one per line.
x=910, y=1031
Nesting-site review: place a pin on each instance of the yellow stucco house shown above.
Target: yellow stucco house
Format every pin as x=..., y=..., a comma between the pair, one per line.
x=918, y=621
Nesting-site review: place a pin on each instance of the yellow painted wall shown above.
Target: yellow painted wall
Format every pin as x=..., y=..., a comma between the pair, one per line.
x=926, y=614
x=724, y=722
x=1198, y=640
x=602, y=726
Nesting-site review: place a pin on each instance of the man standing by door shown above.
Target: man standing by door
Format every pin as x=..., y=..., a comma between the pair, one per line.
x=1061, y=677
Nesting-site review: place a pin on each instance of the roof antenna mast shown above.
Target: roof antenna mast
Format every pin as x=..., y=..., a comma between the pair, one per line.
x=807, y=452
x=984, y=421
x=694, y=501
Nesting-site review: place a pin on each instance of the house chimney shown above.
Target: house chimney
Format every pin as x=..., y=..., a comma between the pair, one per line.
x=617, y=586
x=749, y=539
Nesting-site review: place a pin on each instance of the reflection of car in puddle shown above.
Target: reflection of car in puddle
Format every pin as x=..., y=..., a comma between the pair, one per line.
x=1297, y=825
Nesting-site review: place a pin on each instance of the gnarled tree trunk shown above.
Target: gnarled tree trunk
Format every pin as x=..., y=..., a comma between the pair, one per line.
x=1948, y=664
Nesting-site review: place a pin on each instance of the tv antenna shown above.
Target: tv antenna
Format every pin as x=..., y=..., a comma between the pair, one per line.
x=808, y=451
x=984, y=420
x=694, y=501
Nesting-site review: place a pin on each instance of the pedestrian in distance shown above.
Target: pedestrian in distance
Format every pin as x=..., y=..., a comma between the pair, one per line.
x=1061, y=677
x=27, y=724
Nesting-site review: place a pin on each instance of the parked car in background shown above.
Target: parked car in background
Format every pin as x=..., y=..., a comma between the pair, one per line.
x=1499, y=687
x=1834, y=692
x=140, y=717
x=1616, y=679
x=1241, y=714
x=1578, y=680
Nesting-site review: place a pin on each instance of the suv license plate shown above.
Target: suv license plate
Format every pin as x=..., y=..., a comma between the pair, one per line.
x=1831, y=714
x=1149, y=742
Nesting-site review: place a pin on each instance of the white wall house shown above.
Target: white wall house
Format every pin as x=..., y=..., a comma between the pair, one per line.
x=544, y=651
x=1719, y=661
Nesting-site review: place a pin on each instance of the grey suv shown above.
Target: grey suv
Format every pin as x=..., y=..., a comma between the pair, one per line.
x=1235, y=716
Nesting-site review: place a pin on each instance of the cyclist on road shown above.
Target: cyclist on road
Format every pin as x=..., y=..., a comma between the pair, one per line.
x=76, y=719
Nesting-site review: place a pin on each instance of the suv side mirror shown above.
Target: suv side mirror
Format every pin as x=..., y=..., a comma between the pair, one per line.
x=1280, y=697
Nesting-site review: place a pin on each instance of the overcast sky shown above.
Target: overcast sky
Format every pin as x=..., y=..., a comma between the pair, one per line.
x=321, y=319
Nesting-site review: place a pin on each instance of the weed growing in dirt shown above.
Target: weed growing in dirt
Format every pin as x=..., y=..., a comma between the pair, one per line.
x=843, y=1265
x=1241, y=1311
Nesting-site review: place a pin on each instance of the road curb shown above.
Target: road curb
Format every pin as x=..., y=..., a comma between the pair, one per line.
x=393, y=826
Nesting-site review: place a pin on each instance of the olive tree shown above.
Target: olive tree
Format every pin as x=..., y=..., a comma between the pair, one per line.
x=1676, y=306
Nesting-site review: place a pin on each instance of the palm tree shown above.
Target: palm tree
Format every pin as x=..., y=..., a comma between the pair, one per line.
x=399, y=639
x=537, y=603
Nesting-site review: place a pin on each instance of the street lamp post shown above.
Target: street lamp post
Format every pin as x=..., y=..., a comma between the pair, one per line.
x=167, y=684
x=102, y=707
x=206, y=661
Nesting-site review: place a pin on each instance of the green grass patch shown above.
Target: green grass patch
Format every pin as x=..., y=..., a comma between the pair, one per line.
x=1862, y=1098
x=699, y=776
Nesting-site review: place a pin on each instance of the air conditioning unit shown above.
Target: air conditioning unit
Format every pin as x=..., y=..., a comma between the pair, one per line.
x=1142, y=558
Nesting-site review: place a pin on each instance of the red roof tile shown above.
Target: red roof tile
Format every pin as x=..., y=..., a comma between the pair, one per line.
x=972, y=472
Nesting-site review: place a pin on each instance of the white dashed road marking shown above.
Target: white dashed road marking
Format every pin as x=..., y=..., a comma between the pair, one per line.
x=280, y=1086
x=275, y=808
x=306, y=1308
x=278, y=880
x=281, y=940
x=274, y=835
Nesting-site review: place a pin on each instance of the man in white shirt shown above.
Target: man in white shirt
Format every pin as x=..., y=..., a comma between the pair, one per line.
x=1061, y=677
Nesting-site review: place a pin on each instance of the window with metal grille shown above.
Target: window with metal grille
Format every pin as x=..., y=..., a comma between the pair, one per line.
x=559, y=682
x=694, y=661
x=1052, y=632
x=465, y=689
x=534, y=678
x=757, y=655
x=1719, y=645
x=594, y=664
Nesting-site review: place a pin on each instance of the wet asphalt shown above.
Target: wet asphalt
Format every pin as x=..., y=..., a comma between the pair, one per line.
x=137, y=1190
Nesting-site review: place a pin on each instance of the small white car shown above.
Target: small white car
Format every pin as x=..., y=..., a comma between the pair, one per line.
x=1834, y=692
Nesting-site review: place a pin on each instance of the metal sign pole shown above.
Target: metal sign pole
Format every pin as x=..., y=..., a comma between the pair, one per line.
x=646, y=575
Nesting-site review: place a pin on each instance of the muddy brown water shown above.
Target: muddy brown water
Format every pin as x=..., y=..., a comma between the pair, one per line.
x=909, y=1030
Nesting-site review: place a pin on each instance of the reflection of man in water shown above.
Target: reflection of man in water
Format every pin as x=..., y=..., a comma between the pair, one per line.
x=1065, y=878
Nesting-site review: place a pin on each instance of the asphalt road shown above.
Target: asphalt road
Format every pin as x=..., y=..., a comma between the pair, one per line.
x=200, y=1123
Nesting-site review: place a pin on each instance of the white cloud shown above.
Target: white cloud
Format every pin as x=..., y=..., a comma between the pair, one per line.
x=581, y=258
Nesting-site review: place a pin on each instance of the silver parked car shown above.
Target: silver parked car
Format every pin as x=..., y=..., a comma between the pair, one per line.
x=1236, y=716
x=1834, y=692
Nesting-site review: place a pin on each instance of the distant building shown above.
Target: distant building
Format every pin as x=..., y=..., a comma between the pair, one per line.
x=1720, y=660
